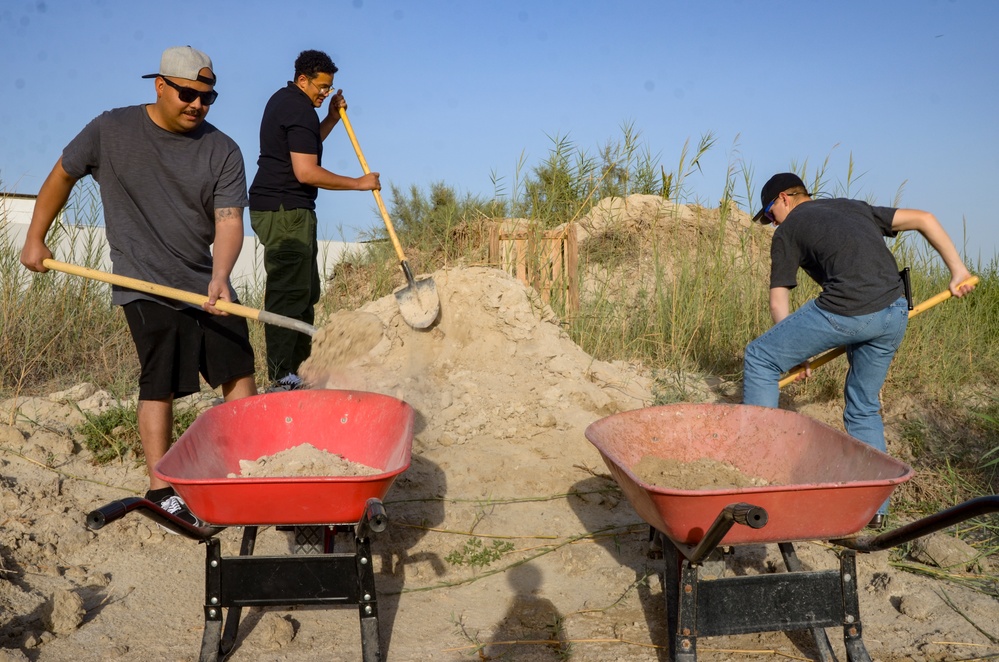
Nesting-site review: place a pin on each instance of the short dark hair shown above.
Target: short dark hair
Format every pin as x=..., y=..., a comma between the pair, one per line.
x=313, y=63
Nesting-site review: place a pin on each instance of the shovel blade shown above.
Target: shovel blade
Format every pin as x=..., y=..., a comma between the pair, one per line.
x=419, y=304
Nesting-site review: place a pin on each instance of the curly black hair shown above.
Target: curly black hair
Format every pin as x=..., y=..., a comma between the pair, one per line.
x=313, y=63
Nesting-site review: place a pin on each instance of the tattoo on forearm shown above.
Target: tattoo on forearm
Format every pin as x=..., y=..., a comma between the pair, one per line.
x=229, y=214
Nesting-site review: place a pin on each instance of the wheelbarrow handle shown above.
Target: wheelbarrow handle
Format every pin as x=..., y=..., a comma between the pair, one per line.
x=97, y=519
x=925, y=526
x=373, y=520
x=755, y=517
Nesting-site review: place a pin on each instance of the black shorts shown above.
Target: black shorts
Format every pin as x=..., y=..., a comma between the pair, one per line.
x=175, y=346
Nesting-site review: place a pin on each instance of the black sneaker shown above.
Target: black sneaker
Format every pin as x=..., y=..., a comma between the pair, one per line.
x=290, y=382
x=877, y=522
x=174, y=505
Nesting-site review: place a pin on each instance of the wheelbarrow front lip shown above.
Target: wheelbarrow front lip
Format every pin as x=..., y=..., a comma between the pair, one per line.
x=824, y=483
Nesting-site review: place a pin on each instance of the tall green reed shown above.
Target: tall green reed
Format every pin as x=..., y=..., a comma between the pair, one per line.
x=684, y=291
x=60, y=329
x=57, y=327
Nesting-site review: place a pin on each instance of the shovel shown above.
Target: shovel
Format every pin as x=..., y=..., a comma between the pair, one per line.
x=180, y=295
x=418, y=300
x=822, y=359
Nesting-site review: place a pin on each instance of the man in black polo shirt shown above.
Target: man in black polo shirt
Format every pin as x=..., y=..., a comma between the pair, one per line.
x=283, y=204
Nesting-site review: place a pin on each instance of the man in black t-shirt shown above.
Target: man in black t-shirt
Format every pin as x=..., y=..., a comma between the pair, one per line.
x=840, y=244
x=283, y=203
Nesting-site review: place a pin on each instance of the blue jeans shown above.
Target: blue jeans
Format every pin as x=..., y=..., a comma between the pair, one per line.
x=870, y=340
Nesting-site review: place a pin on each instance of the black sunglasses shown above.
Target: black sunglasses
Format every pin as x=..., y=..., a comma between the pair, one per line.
x=189, y=94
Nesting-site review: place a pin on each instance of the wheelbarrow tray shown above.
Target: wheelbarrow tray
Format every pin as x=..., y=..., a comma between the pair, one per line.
x=368, y=428
x=822, y=483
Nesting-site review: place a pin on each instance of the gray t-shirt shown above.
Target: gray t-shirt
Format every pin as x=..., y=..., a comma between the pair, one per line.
x=840, y=244
x=160, y=190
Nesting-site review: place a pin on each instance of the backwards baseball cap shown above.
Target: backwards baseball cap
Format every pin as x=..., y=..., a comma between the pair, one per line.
x=777, y=185
x=185, y=62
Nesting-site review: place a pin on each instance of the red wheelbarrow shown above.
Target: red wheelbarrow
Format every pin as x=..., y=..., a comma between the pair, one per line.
x=820, y=484
x=367, y=428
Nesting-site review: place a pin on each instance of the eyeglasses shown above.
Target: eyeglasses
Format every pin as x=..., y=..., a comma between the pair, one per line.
x=323, y=89
x=767, y=214
x=189, y=94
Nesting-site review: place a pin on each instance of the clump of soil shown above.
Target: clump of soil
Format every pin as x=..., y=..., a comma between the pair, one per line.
x=701, y=474
x=64, y=612
x=302, y=460
x=347, y=336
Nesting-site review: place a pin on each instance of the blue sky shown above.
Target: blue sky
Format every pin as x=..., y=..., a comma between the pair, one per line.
x=461, y=91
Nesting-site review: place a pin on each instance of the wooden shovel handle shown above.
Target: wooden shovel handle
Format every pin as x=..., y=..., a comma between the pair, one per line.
x=180, y=295
x=822, y=359
x=377, y=194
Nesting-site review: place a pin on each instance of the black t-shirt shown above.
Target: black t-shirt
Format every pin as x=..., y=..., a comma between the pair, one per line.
x=289, y=124
x=840, y=244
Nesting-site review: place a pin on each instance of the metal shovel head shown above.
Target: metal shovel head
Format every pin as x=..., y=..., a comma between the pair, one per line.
x=419, y=304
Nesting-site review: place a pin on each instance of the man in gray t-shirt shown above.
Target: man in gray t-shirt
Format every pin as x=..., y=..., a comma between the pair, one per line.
x=840, y=244
x=173, y=189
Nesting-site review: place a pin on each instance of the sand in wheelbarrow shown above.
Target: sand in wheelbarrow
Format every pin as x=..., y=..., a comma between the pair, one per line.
x=302, y=460
x=345, y=337
x=702, y=474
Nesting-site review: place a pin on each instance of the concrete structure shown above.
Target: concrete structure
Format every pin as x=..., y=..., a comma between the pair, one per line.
x=74, y=243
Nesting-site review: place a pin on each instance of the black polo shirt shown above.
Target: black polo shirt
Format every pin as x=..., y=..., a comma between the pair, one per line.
x=289, y=124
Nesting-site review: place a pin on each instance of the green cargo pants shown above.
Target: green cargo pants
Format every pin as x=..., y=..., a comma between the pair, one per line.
x=290, y=251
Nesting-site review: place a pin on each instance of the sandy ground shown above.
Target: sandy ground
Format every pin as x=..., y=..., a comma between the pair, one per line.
x=501, y=474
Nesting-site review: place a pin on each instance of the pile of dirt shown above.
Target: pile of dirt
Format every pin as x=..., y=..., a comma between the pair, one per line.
x=302, y=460
x=675, y=228
x=506, y=534
x=701, y=474
x=648, y=214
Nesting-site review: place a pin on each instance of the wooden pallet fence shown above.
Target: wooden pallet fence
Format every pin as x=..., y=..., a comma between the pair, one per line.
x=547, y=261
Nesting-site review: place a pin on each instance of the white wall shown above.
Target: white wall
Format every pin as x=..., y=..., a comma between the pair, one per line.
x=16, y=208
x=15, y=215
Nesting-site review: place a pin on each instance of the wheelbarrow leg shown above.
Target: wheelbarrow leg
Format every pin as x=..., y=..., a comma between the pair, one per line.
x=210, y=648
x=210, y=641
x=367, y=605
x=681, y=607
x=852, y=628
x=822, y=645
x=216, y=643
x=233, y=615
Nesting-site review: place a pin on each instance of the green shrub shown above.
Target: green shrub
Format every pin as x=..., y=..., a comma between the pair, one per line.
x=114, y=434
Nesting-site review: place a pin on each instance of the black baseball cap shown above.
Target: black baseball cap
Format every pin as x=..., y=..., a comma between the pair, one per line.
x=775, y=186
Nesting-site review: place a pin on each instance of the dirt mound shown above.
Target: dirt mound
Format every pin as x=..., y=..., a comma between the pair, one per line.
x=628, y=245
x=506, y=532
x=495, y=351
x=652, y=217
